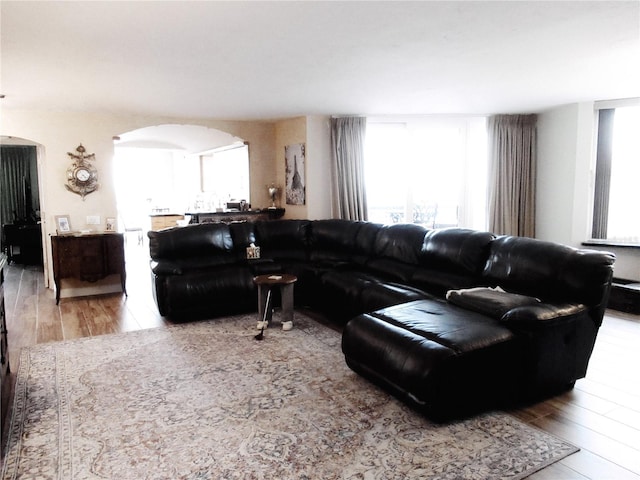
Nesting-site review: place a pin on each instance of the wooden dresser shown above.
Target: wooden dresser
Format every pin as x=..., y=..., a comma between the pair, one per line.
x=89, y=258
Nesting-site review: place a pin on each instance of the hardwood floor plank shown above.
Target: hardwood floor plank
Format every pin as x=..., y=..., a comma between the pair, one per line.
x=49, y=325
x=115, y=307
x=145, y=315
x=533, y=412
x=624, y=415
x=96, y=318
x=49, y=333
x=21, y=333
x=73, y=320
x=592, y=466
x=557, y=471
x=618, y=394
x=579, y=397
x=620, y=431
x=597, y=443
x=619, y=380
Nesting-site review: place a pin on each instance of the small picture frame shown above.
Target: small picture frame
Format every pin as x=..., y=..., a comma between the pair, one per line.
x=63, y=224
x=253, y=252
x=110, y=225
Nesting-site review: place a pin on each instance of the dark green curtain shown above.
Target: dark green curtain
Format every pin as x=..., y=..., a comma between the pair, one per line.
x=19, y=199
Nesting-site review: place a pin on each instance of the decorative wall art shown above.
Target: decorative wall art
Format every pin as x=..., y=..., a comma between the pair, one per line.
x=82, y=177
x=295, y=188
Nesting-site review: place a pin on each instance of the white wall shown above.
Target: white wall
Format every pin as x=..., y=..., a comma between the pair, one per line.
x=564, y=196
x=60, y=132
x=57, y=133
x=319, y=167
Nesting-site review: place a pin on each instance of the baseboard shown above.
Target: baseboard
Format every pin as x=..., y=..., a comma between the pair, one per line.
x=625, y=296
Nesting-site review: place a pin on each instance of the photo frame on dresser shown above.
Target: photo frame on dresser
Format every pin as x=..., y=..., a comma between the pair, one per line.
x=110, y=225
x=63, y=224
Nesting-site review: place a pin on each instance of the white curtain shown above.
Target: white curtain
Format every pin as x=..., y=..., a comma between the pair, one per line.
x=347, y=140
x=512, y=174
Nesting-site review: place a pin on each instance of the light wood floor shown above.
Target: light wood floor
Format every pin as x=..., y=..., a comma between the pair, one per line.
x=601, y=415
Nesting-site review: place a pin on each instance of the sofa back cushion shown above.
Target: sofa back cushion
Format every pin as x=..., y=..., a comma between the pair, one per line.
x=282, y=239
x=366, y=241
x=401, y=242
x=397, y=250
x=243, y=235
x=203, y=240
x=549, y=271
x=456, y=250
x=334, y=240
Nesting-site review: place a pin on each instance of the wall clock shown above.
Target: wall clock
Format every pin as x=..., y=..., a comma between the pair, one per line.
x=82, y=177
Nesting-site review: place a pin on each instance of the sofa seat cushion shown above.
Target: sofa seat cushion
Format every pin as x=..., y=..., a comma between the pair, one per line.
x=339, y=292
x=349, y=292
x=456, y=328
x=441, y=358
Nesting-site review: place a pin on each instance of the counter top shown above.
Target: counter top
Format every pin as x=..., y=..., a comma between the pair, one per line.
x=234, y=212
x=236, y=215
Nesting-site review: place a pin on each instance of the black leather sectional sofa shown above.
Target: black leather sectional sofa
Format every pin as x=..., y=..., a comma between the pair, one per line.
x=452, y=321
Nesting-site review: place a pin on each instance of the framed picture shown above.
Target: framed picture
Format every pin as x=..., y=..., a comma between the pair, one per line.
x=294, y=165
x=63, y=224
x=110, y=225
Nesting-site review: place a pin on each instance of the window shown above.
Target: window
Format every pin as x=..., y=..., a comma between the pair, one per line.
x=225, y=173
x=157, y=180
x=615, y=212
x=430, y=171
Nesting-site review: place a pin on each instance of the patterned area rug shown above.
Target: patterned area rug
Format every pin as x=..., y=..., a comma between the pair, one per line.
x=207, y=401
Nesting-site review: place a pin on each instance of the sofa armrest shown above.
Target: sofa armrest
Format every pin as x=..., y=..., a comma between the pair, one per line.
x=541, y=315
x=494, y=302
x=556, y=341
x=165, y=267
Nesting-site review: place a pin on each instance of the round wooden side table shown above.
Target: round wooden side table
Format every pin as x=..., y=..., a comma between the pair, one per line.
x=265, y=284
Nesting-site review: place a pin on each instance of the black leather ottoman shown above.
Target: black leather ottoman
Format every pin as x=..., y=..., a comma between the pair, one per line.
x=442, y=359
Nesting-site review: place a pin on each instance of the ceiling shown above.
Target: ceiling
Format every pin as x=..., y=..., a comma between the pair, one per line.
x=191, y=139
x=267, y=60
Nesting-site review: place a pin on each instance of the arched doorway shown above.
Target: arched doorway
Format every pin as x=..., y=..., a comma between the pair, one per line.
x=160, y=169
